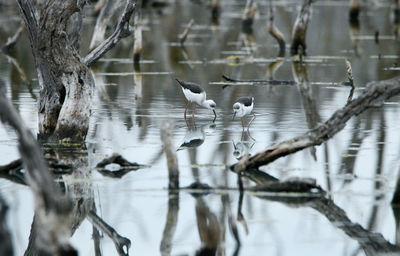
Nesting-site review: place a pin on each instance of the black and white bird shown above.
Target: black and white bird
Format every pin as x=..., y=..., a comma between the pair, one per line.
x=194, y=93
x=242, y=107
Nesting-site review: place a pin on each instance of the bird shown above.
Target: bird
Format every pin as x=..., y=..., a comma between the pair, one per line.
x=194, y=93
x=242, y=107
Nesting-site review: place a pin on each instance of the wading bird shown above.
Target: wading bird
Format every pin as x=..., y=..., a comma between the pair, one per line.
x=242, y=107
x=194, y=93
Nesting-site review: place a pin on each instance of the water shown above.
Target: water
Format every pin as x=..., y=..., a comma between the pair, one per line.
x=358, y=167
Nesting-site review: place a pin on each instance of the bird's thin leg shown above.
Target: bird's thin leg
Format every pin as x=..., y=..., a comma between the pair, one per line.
x=248, y=130
x=194, y=110
x=254, y=117
x=187, y=105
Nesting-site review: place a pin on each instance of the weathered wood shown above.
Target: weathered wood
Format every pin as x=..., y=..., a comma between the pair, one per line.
x=137, y=46
x=107, y=9
x=375, y=94
x=300, y=29
x=170, y=152
x=66, y=83
x=122, y=30
x=50, y=203
x=248, y=15
x=260, y=82
x=354, y=10
x=275, y=32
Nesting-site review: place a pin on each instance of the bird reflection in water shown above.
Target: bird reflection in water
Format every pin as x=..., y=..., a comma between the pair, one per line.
x=241, y=148
x=195, y=136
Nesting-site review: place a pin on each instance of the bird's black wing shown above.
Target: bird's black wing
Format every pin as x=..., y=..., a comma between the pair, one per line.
x=247, y=101
x=191, y=86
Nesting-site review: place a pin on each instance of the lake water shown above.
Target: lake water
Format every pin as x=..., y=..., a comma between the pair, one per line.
x=358, y=167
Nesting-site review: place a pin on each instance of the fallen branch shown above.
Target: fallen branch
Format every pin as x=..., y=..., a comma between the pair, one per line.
x=125, y=166
x=122, y=30
x=375, y=94
x=260, y=82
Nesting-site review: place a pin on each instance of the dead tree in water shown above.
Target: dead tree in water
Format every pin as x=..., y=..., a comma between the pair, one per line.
x=300, y=29
x=52, y=208
x=66, y=83
x=274, y=31
x=375, y=94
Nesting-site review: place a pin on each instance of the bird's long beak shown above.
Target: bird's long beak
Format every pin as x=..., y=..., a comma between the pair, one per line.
x=215, y=115
x=234, y=114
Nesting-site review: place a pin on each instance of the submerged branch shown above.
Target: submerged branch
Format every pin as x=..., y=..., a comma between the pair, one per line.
x=261, y=82
x=122, y=30
x=375, y=94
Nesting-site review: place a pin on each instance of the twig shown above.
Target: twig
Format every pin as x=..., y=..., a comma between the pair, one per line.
x=183, y=36
x=170, y=152
x=349, y=73
x=248, y=15
x=122, y=244
x=375, y=94
x=122, y=30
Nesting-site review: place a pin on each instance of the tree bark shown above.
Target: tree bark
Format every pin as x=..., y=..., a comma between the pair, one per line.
x=65, y=81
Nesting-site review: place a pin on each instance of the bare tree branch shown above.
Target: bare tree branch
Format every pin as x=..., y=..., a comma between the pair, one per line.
x=50, y=203
x=120, y=32
x=374, y=94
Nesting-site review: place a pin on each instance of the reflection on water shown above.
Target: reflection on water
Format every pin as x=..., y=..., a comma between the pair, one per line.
x=357, y=168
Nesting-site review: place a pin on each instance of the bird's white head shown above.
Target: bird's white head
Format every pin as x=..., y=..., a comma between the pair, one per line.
x=210, y=104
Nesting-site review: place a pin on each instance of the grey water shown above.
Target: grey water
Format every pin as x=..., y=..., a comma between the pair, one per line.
x=358, y=167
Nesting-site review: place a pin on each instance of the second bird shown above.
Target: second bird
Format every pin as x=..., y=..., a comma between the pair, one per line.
x=242, y=107
x=194, y=93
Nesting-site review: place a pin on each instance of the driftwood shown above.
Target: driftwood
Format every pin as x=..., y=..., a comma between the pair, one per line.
x=215, y=10
x=172, y=161
x=125, y=166
x=137, y=45
x=300, y=29
x=375, y=94
x=50, y=204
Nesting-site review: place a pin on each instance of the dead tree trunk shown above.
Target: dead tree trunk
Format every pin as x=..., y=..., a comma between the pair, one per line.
x=300, y=29
x=52, y=208
x=66, y=83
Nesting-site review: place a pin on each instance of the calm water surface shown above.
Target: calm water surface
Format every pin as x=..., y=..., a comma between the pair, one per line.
x=358, y=167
